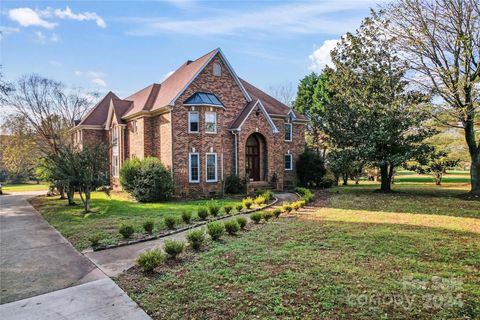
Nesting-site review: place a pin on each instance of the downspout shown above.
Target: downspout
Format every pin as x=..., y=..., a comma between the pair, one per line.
x=236, y=152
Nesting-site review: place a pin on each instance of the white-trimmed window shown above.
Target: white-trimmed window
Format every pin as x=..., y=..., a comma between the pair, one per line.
x=193, y=167
x=288, y=162
x=114, y=136
x=193, y=121
x=217, y=69
x=288, y=132
x=134, y=126
x=115, y=165
x=210, y=122
x=211, y=167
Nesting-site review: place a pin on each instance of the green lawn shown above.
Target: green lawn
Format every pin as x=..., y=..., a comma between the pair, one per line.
x=347, y=260
x=24, y=187
x=108, y=213
x=449, y=177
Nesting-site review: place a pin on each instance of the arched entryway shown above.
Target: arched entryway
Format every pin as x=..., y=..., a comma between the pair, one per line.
x=256, y=157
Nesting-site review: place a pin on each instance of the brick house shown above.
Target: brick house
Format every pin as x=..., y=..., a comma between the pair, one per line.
x=204, y=123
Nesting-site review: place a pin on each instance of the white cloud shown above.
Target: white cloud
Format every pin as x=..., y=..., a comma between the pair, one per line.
x=54, y=38
x=285, y=19
x=99, y=82
x=321, y=56
x=30, y=17
x=40, y=37
x=27, y=17
x=85, y=16
x=166, y=75
x=7, y=30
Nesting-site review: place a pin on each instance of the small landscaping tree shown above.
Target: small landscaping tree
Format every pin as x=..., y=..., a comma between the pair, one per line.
x=310, y=169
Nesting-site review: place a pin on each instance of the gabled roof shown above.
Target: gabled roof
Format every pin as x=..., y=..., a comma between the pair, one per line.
x=166, y=93
x=272, y=105
x=98, y=114
x=245, y=113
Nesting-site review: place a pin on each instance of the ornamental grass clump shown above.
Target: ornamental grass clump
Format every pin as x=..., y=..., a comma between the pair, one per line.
x=268, y=195
x=247, y=202
x=287, y=207
x=126, y=230
x=232, y=227
x=196, y=238
x=216, y=230
x=148, y=226
x=256, y=217
x=227, y=209
x=213, y=208
x=170, y=222
x=173, y=248
x=239, y=207
x=242, y=222
x=150, y=259
x=186, y=216
x=95, y=239
x=202, y=213
x=267, y=215
x=260, y=200
x=296, y=205
x=277, y=212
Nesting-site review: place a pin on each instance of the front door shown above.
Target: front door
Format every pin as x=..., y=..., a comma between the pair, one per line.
x=252, y=158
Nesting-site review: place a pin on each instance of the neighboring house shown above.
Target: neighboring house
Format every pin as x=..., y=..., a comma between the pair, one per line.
x=204, y=124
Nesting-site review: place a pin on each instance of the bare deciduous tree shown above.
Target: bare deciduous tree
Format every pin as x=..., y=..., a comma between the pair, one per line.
x=48, y=106
x=441, y=41
x=284, y=93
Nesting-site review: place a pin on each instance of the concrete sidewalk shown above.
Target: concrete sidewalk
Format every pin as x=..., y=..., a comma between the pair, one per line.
x=116, y=260
x=100, y=299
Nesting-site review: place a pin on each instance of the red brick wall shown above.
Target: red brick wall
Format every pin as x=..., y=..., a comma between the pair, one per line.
x=227, y=90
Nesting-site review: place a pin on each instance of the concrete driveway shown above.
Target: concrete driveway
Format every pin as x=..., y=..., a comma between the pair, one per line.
x=35, y=259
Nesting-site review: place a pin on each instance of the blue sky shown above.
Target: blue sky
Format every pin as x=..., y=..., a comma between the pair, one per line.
x=124, y=46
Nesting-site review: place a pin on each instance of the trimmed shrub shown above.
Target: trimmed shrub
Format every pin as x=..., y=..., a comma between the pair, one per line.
x=268, y=195
x=202, y=213
x=227, y=209
x=287, y=207
x=239, y=207
x=128, y=174
x=302, y=203
x=147, y=180
x=247, y=202
x=306, y=194
x=186, y=216
x=234, y=185
x=213, y=208
x=260, y=200
x=173, y=248
x=256, y=217
x=242, y=222
x=95, y=239
x=196, y=238
x=216, y=230
x=170, y=222
x=148, y=226
x=232, y=227
x=150, y=259
x=277, y=212
x=126, y=230
x=296, y=205
x=310, y=168
x=267, y=215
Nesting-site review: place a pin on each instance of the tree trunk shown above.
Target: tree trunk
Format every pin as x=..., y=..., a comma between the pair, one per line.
x=87, y=200
x=438, y=178
x=475, y=174
x=61, y=190
x=345, y=179
x=385, y=176
x=70, y=195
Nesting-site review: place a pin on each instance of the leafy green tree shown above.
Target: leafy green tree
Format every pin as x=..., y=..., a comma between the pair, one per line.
x=306, y=104
x=436, y=164
x=344, y=164
x=372, y=110
x=441, y=41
